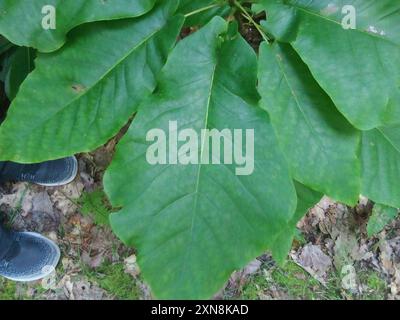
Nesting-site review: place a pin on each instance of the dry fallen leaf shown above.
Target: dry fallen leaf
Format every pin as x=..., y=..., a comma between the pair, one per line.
x=84, y=290
x=314, y=261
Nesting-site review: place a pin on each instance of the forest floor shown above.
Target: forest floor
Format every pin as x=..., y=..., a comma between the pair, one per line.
x=331, y=258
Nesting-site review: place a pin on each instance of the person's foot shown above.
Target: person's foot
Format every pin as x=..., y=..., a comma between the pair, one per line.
x=30, y=257
x=49, y=174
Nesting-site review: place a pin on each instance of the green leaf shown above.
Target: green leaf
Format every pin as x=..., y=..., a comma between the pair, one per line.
x=381, y=216
x=381, y=165
x=193, y=225
x=358, y=68
x=20, y=64
x=112, y=67
x=320, y=145
x=306, y=199
x=29, y=31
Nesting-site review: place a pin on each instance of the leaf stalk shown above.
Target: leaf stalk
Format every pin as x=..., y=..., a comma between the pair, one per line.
x=202, y=9
x=251, y=20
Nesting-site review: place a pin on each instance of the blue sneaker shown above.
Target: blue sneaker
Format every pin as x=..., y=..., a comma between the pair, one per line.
x=50, y=174
x=28, y=256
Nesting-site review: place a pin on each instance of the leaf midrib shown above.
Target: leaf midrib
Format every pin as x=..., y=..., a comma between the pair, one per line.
x=196, y=191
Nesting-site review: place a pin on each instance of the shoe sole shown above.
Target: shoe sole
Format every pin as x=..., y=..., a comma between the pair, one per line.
x=46, y=271
x=66, y=181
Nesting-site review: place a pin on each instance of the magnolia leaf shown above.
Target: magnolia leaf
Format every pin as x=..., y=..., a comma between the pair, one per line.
x=352, y=49
x=44, y=24
x=112, y=66
x=194, y=224
x=381, y=165
x=319, y=143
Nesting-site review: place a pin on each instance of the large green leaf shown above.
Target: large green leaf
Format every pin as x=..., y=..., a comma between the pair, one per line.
x=306, y=199
x=195, y=224
x=358, y=68
x=29, y=32
x=381, y=165
x=79, y=97
x=320, y=144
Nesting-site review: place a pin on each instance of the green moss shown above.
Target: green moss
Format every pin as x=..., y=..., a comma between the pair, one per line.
x=113, y=279
x=7, y=290
x=375, y=287
x=292, y=282
x=298, y=284
x=254, y=287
